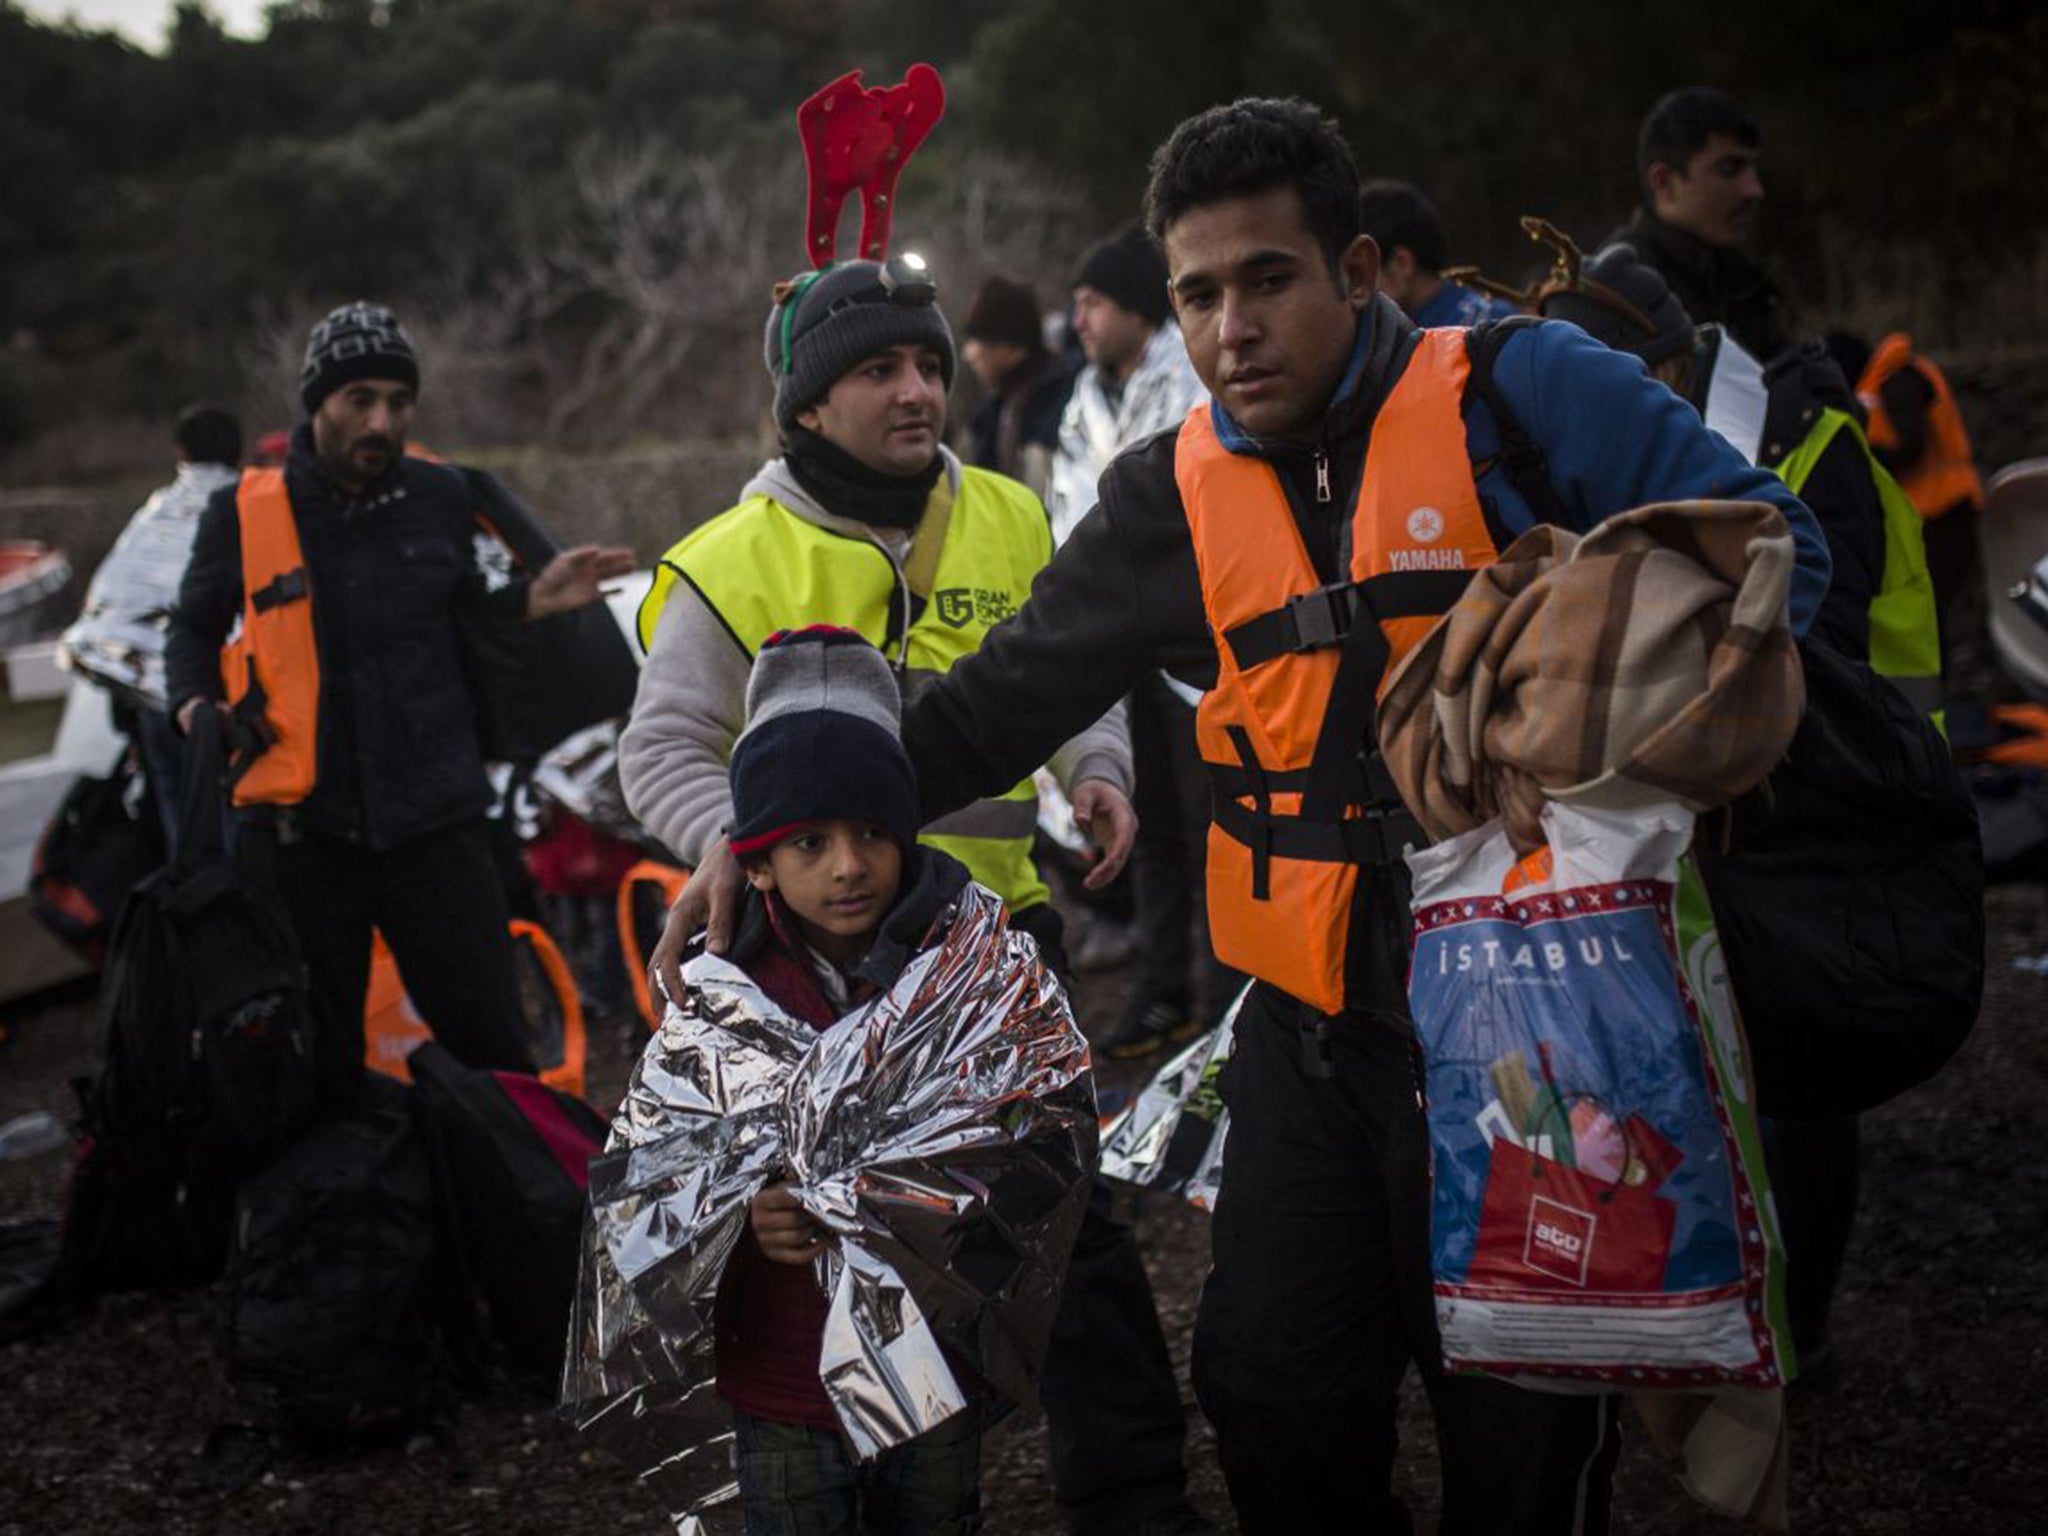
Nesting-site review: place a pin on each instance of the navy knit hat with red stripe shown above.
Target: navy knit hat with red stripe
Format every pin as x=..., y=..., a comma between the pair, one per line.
x=823, y=742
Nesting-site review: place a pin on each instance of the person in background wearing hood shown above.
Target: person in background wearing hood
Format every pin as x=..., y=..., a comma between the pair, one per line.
x=1016, y=428
x=867, y=522
x=1696, y=160
x=361, y=794
x=1415, y=247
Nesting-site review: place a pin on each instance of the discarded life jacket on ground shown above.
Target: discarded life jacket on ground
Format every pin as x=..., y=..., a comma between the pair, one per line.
x=1945, y=475
x=2004, y=748
x=514, y=1159
x=649, y=889
x=207, y=1066
x=102, y=842
x=333, y=1291
x=393, y=1028
x=1302, y=820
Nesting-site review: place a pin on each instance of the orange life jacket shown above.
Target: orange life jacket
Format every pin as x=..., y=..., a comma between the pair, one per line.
x=271, y=667
x=1303, y=806
x=392, y=1026
x=646, y=893
x=1945, y=476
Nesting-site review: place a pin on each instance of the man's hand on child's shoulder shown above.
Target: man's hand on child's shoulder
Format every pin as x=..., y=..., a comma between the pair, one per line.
x=787, y=1232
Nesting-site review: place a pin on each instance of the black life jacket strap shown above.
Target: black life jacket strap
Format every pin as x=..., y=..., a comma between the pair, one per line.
x=1376, y=838
x=1315, y=620
x=286, y=587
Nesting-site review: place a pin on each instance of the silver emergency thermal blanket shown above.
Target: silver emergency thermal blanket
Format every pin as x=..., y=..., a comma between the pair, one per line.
x=944, y=1133
x=118, y=640
x=1171, y=1138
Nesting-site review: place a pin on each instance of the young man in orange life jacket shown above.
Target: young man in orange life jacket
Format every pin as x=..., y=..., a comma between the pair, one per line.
x=1279, y=551
x=353, y=570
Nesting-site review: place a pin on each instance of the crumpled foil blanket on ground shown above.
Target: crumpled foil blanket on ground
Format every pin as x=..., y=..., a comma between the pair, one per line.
x=1171, y=1138
x=945, y=1133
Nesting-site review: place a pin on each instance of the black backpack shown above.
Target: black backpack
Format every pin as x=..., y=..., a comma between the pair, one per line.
x=1848, y=889
x=208, y=1066
x=103, y=841
x=513, y=1159
x=333, y=1291
x=1849, y=895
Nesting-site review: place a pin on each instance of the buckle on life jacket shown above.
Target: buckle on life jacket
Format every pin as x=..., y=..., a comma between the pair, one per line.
x=250, y=733
x=285, y=587
x=1378, y=837
x=1308, y=622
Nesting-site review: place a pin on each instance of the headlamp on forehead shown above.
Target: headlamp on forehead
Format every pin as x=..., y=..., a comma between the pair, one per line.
x=907, y=279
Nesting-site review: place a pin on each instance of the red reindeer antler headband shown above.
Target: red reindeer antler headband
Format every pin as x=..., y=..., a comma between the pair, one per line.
x=860, y=140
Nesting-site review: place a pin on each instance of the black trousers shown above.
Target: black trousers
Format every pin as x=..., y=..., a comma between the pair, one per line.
x=440, y=905
x=1319, y=1301
x=1815, y=1181
x=1112, y=1406
x=1176, y=962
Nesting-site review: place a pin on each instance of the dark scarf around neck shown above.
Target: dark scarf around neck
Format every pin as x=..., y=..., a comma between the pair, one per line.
x=845, y=487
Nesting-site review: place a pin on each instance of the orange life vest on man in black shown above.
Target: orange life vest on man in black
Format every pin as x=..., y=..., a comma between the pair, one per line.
x=271, y=665
x=1304, y=812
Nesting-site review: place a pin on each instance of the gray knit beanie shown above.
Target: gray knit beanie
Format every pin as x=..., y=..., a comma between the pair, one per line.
x=358, y=340
x=842, y=315
x=823, y=741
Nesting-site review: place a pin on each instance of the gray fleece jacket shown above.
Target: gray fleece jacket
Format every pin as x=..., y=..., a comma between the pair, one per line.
x=691, y=705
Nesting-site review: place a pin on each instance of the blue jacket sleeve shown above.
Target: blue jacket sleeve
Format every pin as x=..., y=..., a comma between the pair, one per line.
x=1615, y=438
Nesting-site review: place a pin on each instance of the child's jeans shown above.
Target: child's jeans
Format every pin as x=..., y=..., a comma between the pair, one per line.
x=798, y=1481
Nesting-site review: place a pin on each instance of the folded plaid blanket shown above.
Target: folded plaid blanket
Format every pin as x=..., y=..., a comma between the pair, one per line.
x=1644, y=662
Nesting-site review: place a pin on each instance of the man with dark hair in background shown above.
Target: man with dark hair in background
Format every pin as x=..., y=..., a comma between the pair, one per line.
x=1415, y=247
x=118, y=640
x=1016, y=428
x=1696, y=162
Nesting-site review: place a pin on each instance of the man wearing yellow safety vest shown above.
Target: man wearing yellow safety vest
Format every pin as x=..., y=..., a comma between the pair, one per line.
x=1280, y=551
x=359, y=779
x=1794, y=417
x=866, y=522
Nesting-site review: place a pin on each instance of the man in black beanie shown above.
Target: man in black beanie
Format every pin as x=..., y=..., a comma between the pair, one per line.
x=867, y=522
x=1017, y=425
x=360, y=791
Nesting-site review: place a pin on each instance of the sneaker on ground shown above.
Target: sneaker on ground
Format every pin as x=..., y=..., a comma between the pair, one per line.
x=1149, y=1027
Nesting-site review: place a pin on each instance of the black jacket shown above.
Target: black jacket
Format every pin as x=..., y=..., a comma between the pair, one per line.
x=1714, y=284
x=1025, y=411
x=394, y=580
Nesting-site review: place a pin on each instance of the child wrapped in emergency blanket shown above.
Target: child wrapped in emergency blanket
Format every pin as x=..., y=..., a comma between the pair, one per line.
x=837, y=1202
